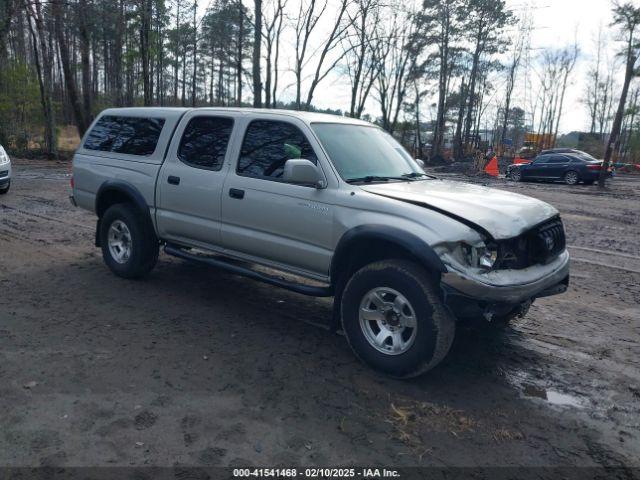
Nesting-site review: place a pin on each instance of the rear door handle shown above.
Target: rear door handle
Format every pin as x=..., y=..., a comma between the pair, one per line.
x=173, y=180
x=236, y=193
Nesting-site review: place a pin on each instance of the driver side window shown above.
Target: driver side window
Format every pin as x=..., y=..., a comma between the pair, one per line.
x=267, y=145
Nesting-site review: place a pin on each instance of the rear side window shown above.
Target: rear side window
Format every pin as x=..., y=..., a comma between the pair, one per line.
x=103, y=134
x=558, y=159
x=128, y=135
x=268, y=144
x=204, y=142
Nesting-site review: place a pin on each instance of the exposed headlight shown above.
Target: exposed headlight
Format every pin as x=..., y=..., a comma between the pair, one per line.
x=481, y=256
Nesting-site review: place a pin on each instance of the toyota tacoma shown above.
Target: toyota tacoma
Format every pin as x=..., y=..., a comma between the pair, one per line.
x=334, y=203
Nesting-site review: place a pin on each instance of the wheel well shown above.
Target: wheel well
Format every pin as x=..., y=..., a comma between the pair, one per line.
x=111, y=197
x=365, y=251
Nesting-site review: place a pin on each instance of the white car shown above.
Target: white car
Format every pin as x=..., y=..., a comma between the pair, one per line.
x=5, y=171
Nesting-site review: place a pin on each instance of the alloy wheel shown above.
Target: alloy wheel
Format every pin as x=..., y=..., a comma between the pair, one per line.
x=119, y=241
x=388, y=321
x=571, y=178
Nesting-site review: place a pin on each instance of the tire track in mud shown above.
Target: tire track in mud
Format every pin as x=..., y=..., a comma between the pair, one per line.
x=46, y=217
x=157, y=332
x=595, y=256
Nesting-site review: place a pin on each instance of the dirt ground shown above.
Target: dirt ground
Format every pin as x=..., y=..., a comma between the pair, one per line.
x=193, y=366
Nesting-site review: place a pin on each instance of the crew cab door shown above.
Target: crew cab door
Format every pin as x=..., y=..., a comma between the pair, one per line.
x=268, y=220
x=189, y=185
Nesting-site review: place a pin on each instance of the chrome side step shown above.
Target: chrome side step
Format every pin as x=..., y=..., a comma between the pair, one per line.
x=313, y=291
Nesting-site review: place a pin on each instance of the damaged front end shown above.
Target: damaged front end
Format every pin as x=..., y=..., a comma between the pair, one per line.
x=498, y=278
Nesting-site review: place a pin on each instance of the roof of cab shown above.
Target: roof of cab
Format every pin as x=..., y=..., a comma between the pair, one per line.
x=307, y=117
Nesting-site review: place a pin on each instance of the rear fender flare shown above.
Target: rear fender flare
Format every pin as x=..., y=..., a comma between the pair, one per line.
x=122, y=189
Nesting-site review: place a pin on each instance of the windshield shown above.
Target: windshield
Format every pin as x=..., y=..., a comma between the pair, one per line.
x=363, y=153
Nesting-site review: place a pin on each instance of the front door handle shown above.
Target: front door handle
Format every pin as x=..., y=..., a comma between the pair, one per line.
x=173, y=180
x=236, y=193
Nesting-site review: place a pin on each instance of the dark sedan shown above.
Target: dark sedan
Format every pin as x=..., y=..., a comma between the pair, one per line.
x=567, y=168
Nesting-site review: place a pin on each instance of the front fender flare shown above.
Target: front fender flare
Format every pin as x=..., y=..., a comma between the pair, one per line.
x=362, y=234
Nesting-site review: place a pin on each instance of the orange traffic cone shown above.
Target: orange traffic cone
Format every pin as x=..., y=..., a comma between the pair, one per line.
x=492, y=167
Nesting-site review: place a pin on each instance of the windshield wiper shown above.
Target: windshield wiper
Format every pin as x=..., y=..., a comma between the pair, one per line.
x=415, y=175
x=375, y=178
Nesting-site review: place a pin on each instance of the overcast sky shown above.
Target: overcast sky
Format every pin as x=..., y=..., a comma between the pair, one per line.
x=556, y=24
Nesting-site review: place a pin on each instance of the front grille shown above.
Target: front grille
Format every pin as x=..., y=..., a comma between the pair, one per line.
x=539, y=245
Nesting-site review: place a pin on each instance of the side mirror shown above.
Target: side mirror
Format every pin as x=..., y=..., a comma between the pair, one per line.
x=420, y=162
x=303, y=172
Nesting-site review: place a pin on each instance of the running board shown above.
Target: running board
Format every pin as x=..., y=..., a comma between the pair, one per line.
x=247, y=272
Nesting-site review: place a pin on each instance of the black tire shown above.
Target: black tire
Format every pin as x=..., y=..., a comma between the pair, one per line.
x=5, y=189
x=515, y=174
x=571, y=177
x=144, y=246
x=435, y=325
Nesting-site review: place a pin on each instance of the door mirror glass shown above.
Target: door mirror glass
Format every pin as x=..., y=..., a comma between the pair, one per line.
x=303, y=172
x=420, y=162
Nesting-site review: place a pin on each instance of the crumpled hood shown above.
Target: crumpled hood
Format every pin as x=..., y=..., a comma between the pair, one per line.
x=502, y=214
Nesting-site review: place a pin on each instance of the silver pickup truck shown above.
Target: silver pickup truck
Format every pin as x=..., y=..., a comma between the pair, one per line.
x=334, y=203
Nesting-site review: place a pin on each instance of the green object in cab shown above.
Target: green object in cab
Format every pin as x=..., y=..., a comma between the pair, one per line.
x=292, y=151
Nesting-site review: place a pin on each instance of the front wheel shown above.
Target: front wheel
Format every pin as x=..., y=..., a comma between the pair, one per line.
x=571, y=178
x=394, y=318
x=129, y=244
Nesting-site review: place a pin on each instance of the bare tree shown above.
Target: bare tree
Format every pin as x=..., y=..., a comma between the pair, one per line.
x=627, y=17
x=273, y=32
x=395, y=58
x=43, y=60
x=360, y=54
x=512, y=68
x=593, y=98
x=484, y=24
x=306, y=23
x=82, y=122
x=441, y=23
x=257, y=43
x=568, y=58
x=7, y=10
x=145, y=12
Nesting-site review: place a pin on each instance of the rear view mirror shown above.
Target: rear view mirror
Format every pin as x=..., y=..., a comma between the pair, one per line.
x=303, y=172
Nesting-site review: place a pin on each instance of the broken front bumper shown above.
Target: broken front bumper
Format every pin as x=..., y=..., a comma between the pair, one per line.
x=511, y=286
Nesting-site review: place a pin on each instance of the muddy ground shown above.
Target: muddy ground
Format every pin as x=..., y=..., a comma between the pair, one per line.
x=197, y=367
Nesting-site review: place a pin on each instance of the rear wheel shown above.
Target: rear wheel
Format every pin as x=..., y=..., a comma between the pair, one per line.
x=129, y=244
x=516, y=175
x=571, y=177
x=395, y=320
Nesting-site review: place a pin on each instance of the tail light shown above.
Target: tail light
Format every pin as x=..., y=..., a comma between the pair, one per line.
x=594, y=167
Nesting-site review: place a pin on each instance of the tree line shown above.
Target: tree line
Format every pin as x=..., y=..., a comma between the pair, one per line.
x=442, y=75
